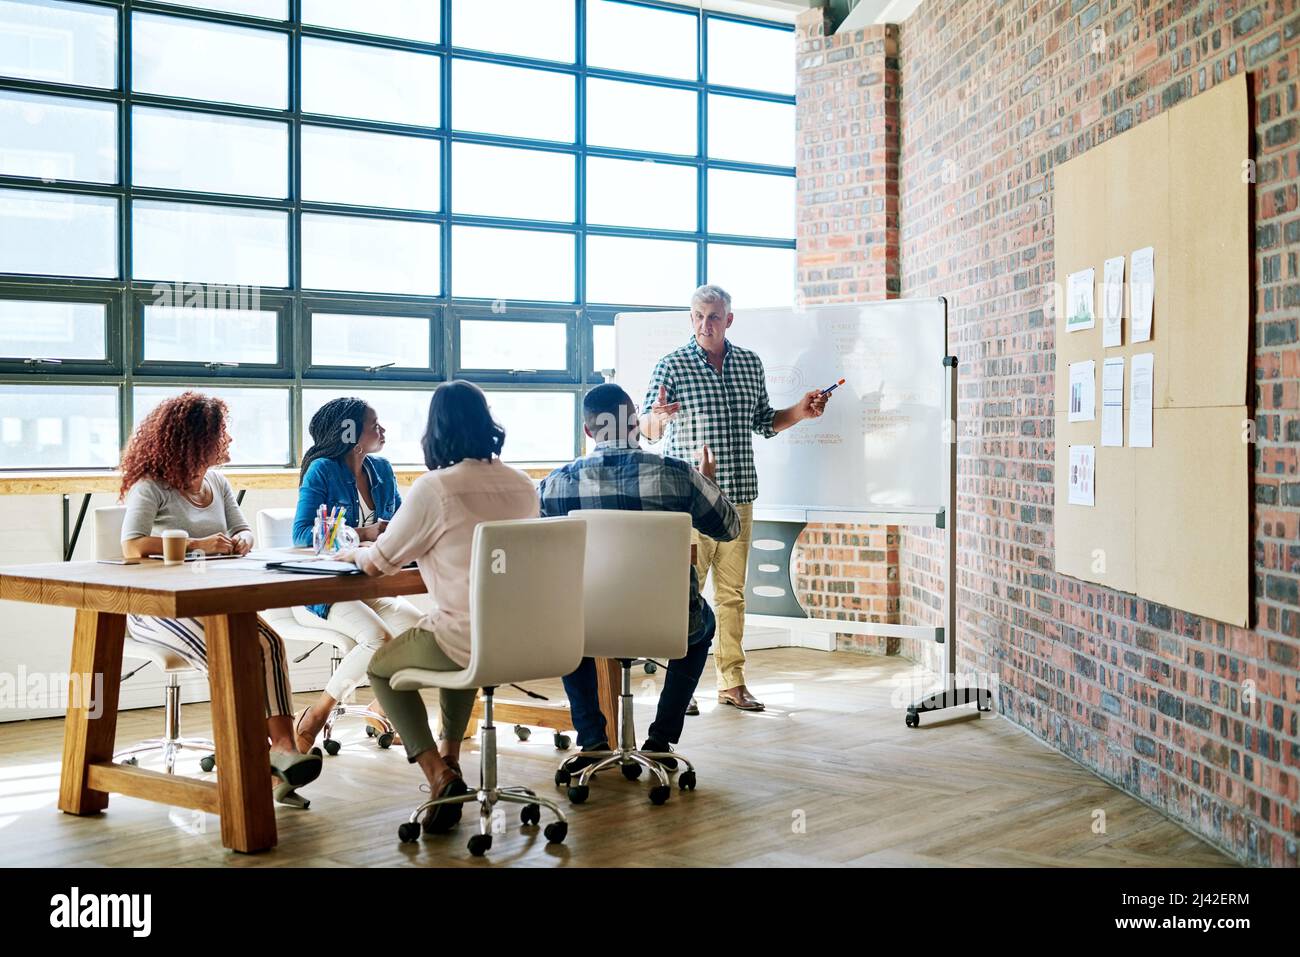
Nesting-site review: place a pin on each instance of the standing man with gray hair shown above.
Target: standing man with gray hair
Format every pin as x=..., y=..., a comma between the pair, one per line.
x=707, y=398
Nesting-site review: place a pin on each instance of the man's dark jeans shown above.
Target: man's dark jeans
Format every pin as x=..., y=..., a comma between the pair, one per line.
x=679, y=684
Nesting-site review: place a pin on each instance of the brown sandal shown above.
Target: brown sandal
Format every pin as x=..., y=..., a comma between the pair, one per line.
x=298, y=736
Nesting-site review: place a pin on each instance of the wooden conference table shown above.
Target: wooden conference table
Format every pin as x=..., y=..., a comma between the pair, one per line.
x=227, y=594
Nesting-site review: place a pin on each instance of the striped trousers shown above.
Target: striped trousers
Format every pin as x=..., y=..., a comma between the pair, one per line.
x=185, y=638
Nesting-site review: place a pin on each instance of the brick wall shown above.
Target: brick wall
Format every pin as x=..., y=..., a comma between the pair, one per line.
x=1195, y=717
x=850, y=572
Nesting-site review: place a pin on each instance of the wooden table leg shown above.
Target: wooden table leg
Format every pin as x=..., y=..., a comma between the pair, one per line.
x=94, y=678
x=239, y=732
x=609, y=685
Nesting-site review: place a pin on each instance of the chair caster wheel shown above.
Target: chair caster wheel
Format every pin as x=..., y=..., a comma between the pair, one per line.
x=562, y=778
x=912, y=719
x=479, y=844
x=631, y=771
x=132, y=761
x=556, y=832
x=651, y=667
x=523, y=732
x=659, y=794
x=562, y=741
x=385, y=741
x=207, y=762
x=408, y=833
x=578, y=793
x=332, y=747
x=530, y=814
x=686, y=780
x=370, y=731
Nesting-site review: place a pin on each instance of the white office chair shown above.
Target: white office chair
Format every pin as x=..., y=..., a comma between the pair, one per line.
x=632, y=558
x=108, y=546
x=275, y=530
x=525, y=623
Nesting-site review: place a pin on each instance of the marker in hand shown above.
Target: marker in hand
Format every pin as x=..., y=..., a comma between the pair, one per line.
x=829, y=389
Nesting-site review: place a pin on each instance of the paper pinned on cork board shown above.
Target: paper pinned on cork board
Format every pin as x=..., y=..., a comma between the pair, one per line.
x=1112, y=303
x=1083, y=462
x=1112, y=402
x=1079, y=311
x=1142, y=283
x=1139, y=414
x=1083, y=391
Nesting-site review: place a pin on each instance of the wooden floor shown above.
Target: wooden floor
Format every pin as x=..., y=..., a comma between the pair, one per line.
x=828, y=775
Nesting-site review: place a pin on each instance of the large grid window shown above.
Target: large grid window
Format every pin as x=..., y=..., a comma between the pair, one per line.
x=281, y=201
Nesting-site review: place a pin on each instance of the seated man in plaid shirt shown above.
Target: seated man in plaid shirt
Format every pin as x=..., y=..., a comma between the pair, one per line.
x=619, y=474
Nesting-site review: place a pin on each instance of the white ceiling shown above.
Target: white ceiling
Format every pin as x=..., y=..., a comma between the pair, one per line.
x=868, y=12
x=864, y=14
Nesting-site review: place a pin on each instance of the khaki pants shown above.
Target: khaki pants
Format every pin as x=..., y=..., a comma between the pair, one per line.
x=730, y=562
x=417, y=648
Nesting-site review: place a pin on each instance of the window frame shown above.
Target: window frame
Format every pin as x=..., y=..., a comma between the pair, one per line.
x=569, y=318
x=355, y=306
x=124, y=366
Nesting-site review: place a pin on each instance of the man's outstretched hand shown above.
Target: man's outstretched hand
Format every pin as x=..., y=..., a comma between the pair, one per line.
x=661, y=413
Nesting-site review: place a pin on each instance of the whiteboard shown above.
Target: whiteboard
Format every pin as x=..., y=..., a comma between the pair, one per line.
x=882, y=443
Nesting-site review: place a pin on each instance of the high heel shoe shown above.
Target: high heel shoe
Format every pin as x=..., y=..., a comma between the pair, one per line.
x=286, y=794
x=296, y=770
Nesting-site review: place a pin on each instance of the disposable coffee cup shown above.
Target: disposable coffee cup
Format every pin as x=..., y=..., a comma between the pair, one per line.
x=174, y=541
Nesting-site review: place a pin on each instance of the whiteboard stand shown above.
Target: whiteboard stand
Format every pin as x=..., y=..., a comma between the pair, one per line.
x=952, y=692
x=770, y=592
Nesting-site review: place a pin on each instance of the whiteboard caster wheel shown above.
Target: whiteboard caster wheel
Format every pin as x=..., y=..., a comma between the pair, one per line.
x=562, y=741
x=912, y=719
x=522, y=732
x=207, y=762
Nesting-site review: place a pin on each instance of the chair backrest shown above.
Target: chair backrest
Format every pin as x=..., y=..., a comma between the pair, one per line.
x=275, y=528
x=637, y=586
x=525, y=600
x=108, y=532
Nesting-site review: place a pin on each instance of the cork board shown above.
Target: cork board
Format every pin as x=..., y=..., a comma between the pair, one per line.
x=1170, y=523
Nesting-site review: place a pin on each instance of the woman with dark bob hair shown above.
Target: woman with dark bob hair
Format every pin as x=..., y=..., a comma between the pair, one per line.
x=467, y=483
x=170, y=481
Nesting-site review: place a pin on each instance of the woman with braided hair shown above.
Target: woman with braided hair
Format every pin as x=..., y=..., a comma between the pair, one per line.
x=342, y=470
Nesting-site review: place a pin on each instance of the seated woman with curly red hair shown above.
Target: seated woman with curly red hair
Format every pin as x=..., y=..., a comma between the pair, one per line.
x=169, y=481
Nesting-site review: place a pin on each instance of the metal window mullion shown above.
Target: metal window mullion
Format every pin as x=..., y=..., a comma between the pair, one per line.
x=446, y=360
x=582, y=324
x=127, y=341
x=300, y=340
x=702, y=157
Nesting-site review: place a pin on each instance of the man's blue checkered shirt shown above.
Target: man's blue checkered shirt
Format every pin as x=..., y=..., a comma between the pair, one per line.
x=615, y=475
